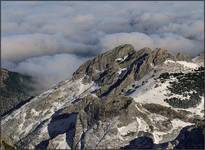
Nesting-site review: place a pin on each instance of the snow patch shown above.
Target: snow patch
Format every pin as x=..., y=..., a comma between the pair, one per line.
x=169, y=61
x=185, y=64
x=150, y=94
x=121, y=70
x=34, y=112
x=94, y=87
x=142, y=125
x=83, y=87
x=188, y=64
x=118, y=59
x=121, y=59
x=132, y=127
x=135, y=126
x=177, y=125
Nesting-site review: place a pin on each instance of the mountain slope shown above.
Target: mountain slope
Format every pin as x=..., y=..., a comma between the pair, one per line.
x=15, y=89
x=190, y=137
x=112, y=99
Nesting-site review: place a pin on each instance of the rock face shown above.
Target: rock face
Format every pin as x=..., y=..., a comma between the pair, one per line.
x=160, y=55
x=15, y=89
x=110, y=101
x=199, y=59
x=113, y=71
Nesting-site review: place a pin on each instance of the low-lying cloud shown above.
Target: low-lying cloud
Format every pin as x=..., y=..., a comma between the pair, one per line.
x=20, y=47
x=138, y=40
x=170, y=41
x=44, y=34
x=48, y=70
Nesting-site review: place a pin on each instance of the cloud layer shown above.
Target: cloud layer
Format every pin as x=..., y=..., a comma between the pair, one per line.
x=170, y=41
x=47, y=70
x=50, y=32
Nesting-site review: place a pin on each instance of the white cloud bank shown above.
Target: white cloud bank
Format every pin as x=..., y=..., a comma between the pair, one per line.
x=55, y=31
x=172, y=42
x=48, y=70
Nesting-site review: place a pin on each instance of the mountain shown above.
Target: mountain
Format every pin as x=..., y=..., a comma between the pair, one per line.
x=120, y=96
x=16, y=89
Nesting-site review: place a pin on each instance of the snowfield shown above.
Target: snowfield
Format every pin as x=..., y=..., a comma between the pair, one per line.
x=177, y=125
x=150, y=94
x=132, y=127
x=185, y=64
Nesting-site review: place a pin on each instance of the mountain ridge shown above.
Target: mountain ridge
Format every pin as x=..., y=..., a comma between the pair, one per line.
x=109, y=102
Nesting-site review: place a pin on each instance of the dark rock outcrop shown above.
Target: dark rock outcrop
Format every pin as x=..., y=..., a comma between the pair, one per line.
x=15, y=90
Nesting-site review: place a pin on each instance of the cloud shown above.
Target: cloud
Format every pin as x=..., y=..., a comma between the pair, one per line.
x=84, y=29
x=47, y=70
x=20, y=47
x=78, y=27
x=170, y=41
x=177, y=43
x=138, y=40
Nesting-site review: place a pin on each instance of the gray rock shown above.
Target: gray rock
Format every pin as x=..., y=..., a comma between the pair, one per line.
x=182, y=57
x=160, y=55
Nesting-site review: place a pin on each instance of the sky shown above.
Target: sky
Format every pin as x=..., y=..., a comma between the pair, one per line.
x=50, y=40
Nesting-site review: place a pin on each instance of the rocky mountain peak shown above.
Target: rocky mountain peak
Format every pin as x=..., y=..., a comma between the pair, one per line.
x=122, y=50
x=119, y=56
x=117, y=97
x=104, y=61
x=116, y=69
x=160, y=55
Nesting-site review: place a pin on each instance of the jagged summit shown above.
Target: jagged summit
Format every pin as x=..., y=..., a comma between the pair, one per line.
x=160, y=55
x=116, y=69
x=123, y=55
x=117, y=97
